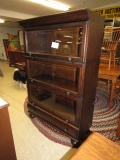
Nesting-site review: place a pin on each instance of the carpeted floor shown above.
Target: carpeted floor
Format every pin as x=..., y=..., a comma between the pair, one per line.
x=105, y=119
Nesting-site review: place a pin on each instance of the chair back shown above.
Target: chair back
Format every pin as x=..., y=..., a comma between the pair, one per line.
x=110, y=52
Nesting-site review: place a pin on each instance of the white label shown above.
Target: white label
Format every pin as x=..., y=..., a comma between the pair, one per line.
x=55, y=45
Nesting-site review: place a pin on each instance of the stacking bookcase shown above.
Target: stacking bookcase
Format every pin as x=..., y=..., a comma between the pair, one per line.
x=62, y=59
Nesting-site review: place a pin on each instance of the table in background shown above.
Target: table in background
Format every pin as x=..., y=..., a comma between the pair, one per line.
x=112, y=75
x=97, y=147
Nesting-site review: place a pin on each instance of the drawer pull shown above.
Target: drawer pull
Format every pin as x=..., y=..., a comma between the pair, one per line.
x=68, y=93
x=69, y=59
x=65, y=129
x=67, y=120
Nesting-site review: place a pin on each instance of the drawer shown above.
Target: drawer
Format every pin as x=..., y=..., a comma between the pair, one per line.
x=58, y=123
x=64, y=106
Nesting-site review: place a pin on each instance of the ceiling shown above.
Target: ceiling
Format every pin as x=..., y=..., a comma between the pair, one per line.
x=14, y=10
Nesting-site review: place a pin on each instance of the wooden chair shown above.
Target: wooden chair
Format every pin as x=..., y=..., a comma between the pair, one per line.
x=109, y=47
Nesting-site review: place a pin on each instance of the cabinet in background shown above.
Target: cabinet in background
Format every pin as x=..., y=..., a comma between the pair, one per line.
x=15, y=56
x=7, y=147
x=62, y=59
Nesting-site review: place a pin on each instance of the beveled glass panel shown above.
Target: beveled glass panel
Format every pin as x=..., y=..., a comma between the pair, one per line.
x=65, y=42
x=39, y=41
x=62, y=76
x=56, y=104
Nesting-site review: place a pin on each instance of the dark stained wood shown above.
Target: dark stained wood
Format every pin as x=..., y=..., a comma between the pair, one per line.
x=74, y=16
x=21, y=66
x=62, y=79
x=15, y=56
x=7, y=148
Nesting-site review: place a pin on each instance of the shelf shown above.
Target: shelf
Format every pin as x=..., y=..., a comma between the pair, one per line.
x=56, y=82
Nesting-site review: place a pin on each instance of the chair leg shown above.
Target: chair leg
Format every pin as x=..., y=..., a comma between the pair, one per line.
x=109, y=86
x=109, y=61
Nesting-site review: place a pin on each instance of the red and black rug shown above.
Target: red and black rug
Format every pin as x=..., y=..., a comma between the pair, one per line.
x=105, y=119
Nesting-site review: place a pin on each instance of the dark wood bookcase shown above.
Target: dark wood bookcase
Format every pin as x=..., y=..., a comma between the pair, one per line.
x=62, y=59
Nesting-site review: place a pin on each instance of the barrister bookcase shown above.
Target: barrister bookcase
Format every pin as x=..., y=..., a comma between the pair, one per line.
x=62, y=59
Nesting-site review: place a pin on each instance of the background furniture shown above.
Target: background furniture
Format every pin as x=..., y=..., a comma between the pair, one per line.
x=60, y=61
x=110, y=47
x=112, y=75
x=118, y=129
x=21, y=66
x=7, y=149
x=15, y=56
x=97, y=147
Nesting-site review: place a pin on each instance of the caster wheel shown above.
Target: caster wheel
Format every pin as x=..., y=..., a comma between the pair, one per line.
x=74, y=144
x=31, y=115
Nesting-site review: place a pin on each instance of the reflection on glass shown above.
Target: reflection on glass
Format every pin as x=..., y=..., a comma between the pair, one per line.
x=64, y=42
x=56, y=104
x=58, y=75
x=69, y=41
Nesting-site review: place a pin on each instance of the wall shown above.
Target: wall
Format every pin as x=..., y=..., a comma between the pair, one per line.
x=3, y=35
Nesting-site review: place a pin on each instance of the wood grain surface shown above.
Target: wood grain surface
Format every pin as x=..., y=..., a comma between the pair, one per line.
x=97, y=147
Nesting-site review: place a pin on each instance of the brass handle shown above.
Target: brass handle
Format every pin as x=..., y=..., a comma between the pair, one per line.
x=65, y=129
x=67, y=120
x=68, y=93
x=69, y=59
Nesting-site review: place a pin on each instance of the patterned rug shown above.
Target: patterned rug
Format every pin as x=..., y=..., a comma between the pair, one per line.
x=105, y=119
